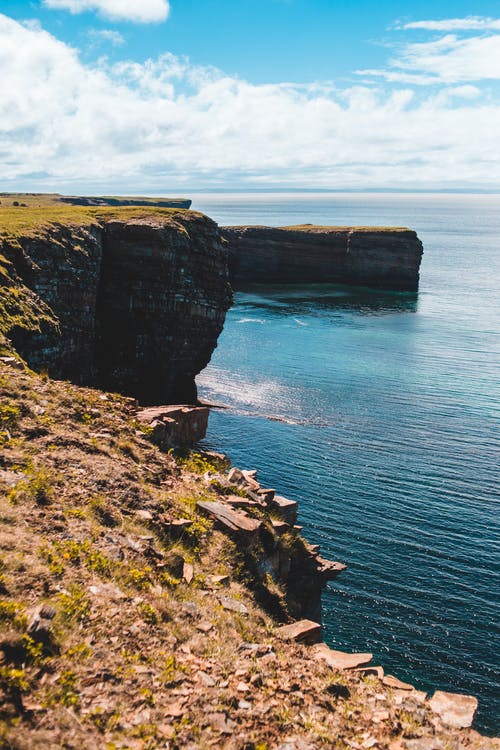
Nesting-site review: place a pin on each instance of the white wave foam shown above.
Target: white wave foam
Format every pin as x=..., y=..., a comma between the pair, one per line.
x=252, y=320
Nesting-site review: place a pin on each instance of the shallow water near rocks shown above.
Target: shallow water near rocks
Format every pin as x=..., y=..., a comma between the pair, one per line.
x=384, y=426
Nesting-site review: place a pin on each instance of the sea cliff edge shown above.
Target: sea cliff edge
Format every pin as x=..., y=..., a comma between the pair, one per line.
x=152, y=597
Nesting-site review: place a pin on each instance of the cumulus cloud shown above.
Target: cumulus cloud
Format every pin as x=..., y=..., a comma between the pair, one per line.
x=165, y=123
x=138, y=11
x=470, y=23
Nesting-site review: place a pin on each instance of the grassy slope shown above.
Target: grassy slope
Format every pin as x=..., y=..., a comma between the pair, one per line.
x=137, y=657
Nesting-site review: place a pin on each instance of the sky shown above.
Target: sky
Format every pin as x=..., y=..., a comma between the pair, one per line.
x=158, y=96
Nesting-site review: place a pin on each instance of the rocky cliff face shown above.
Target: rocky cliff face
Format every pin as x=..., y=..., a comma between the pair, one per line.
x=133, y=303
x=386, y=258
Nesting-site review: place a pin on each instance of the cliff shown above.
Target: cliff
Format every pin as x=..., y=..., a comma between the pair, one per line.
x=381, y=257
x=130, y=299
x=111, y=201
x=51, y=199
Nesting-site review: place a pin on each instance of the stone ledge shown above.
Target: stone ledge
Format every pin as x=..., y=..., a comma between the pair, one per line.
x=302, y=631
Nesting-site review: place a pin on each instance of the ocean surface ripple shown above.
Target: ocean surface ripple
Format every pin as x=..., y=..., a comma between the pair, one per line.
x=378, y=412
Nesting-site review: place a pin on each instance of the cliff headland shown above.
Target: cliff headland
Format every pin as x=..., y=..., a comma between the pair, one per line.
x=379, y=257
x=131, y=299
x=151, y=598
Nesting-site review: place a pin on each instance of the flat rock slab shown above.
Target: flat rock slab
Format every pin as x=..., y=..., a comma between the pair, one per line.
x=303, y=631
x=169, y=411
x=231, y=520
x=176, y=527
x=240, y=502
x=453, y=708
x=340, y=659
x=392, y=682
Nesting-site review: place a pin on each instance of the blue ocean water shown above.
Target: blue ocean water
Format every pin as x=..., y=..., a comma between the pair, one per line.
x=389, y=406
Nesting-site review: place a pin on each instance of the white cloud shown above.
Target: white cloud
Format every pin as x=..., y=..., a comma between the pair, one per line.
x=470, y=23
x=138, y=11
x=106, y=36
x=165, y=123
x=445, y=60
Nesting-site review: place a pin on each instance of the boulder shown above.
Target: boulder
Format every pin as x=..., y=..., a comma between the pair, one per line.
x=284, y=508
x=267, y=495
x=453, y=708
x=176, y=426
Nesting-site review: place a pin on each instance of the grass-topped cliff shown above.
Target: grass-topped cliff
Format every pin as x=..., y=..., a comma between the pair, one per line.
x=129, y=297
x=38, y=217
x=379, y=257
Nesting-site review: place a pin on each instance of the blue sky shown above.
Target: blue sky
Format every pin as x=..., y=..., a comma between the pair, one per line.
x=125, y=95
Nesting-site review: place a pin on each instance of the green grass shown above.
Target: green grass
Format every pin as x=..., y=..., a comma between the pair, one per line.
x=319, y=228
x=36, y=217
x=34, y=221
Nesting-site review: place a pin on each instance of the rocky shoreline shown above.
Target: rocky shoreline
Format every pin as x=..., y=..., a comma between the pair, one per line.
x=305, y=575
x=141, y=608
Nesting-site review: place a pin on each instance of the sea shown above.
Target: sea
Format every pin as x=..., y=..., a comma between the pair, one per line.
x=379, y=412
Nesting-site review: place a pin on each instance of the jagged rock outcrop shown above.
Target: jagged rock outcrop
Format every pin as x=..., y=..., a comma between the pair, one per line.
x=386, y=258
x=257, y=523
x=131, y=303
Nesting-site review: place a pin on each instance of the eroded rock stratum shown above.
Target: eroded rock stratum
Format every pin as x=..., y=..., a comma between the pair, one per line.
x=380, y=257
x=127, y=300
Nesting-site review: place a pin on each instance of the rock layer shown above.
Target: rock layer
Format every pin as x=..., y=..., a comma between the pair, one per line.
x=133, y=304
x=162, y=303
x=386, y=258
